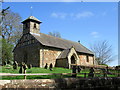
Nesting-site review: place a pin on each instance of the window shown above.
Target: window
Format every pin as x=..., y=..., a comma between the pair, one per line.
x=34, y=25
x=27, y=25
x=87, y=58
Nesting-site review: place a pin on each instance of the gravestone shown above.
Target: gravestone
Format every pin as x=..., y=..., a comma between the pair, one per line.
x=91, y=73
x=21, y=68
x=15, y=65
x=104, y=72
x=46, y=66
x=74, y=70
x=25, y=67
x=51, y=67
x=79, y=69
x=29, y=66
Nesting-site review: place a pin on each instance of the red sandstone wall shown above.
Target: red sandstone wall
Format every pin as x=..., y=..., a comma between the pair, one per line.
x=83, y=60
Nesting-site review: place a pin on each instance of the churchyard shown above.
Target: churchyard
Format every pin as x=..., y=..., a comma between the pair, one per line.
x=52, y=74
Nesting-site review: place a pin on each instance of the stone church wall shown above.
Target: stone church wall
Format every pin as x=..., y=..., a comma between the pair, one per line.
x=29, y=53
x=83, y=60
x=49, y=55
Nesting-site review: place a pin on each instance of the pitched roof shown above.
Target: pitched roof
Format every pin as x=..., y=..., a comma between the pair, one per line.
x=33, y=19
x=64, y=54
x=51, y=41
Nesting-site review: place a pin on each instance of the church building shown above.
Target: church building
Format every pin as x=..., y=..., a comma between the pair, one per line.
x=40, y=49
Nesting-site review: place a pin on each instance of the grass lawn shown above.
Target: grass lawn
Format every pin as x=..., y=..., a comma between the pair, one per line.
x=9, y=69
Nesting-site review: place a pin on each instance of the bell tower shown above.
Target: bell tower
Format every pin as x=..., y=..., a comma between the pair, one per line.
x=31, y=25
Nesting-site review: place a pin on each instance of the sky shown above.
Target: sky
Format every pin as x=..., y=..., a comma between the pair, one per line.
x=85, y=21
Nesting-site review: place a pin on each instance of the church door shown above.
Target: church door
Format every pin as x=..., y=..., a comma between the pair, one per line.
x=72, y=60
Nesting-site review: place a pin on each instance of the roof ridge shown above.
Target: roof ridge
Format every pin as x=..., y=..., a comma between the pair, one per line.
x=62, y=43
x=66, y=40
x=60, y=38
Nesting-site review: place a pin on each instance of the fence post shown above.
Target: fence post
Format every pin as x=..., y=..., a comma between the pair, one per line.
x=61, y=75
x=25, y=75
x=84, y=75
x=74, y=71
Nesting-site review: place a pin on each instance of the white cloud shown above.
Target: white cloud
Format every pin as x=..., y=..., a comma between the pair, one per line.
x=94, y=34
x=84, y=14
x=59, y=15
x=72, y=15
x=54, y=15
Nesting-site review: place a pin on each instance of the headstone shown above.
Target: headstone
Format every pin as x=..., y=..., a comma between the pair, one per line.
x=51, y=66
x=29, y=66
x=25, y=67
x=46, y=66
x=21, y=68
x=91, y=73
x=79, y=69
x=15, y=65
x=104, y=72
x=107, y=69
x=74, y=70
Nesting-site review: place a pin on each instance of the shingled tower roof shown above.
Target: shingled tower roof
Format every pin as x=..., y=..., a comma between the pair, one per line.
x=32, y=18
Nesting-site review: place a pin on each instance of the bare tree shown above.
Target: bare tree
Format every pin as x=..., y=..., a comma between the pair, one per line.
x=55, y=34
x=11, y=31
x=102, y=51
x=11, y=26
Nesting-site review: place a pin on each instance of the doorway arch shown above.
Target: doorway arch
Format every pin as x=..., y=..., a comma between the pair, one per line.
x=73, y=61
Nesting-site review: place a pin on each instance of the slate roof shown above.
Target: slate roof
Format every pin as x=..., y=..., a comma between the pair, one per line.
x=64, y=54
x=51, y=41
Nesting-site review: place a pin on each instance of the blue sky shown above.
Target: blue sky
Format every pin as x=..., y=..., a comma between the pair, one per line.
x=84, y=21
